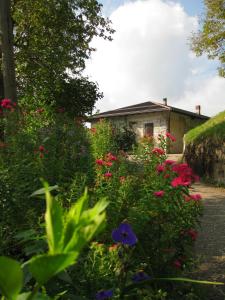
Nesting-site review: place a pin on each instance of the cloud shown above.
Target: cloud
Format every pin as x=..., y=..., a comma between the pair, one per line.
x=150, y=59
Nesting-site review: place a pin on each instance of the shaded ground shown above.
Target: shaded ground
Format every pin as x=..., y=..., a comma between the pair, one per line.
x=210, y=246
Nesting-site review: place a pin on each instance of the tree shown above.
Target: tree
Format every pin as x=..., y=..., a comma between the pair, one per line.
x=52, y=40
x=7, y=56
x=211, y=38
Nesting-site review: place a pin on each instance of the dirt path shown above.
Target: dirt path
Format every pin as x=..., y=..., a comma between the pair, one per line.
x=210, y=246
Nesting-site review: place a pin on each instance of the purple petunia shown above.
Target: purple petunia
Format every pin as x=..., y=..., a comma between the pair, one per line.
x=104, y=294
x=124, y=234
x=140, y=276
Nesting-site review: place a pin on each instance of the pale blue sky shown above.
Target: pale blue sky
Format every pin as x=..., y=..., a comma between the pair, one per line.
x=150, y=57
x=192, y=7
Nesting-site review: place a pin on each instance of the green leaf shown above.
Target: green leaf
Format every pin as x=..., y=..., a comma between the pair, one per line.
x=91, y=222
x=25, y=296
x=54, y=223
x=73, y=217
x=11, y=277
x=42, y=191
x=43, y=267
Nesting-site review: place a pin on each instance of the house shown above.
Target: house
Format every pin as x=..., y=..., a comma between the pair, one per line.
x=152, y=118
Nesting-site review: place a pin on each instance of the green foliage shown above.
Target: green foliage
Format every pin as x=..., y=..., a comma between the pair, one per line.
x=102, y=139
x=67, y=232
x=52, y=42
x=33, y=152
x=210, y=39
x=125, y=139
x=214, y=129
x=11, y=277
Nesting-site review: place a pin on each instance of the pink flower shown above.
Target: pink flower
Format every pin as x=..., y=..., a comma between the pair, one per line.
x=108, y=174
x=99, y=162
x=158, y=151
x=171, y=137
x=179, y=181
x=177, y=264
x=196, y=197
x=169, y=162
x=159, y=193
x=160, y=168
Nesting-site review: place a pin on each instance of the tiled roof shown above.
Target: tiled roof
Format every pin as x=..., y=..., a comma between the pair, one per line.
x=145, y=107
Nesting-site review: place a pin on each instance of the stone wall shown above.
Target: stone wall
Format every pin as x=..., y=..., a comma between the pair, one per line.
x=207, y=159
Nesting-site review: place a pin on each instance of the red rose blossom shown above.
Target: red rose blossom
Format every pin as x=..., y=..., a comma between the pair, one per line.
x=171, y=137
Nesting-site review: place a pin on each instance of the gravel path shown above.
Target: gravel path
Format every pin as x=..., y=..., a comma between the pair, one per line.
x=210, y=245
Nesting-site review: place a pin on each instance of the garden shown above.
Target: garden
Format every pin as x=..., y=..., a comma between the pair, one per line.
x=112, y=227
x=84, y=213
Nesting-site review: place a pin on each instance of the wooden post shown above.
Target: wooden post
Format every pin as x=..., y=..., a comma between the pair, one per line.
x=8, y=66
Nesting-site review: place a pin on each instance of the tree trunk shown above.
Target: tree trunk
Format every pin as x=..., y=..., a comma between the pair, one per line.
x=8, y=66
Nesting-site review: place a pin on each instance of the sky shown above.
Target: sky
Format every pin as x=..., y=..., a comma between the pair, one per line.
x=150, y=58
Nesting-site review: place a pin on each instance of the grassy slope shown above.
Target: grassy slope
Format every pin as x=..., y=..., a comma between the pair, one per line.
x=213, y=128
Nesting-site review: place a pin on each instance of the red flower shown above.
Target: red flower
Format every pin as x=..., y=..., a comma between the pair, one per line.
x=177, y=264
x=6, y=103
x=99, y=162
x=179, y=181
x=41, y=148
x=108, y=174
x=160, y=168
x=158, y=151
x=196, y=197
x=159, y=193
x=110, y=156
x=167, y=176
x=108, y=163
x=171, y=137
x=41, y=155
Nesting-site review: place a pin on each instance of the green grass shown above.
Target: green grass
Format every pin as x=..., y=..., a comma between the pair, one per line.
x=214, y=129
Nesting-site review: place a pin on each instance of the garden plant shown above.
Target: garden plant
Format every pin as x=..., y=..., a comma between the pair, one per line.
x=134, y=239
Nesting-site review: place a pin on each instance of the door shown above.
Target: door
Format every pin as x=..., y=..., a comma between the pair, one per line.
x=149, y=129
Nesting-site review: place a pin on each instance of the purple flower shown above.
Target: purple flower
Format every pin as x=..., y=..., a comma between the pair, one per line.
x=124, y=234
x=140, y=276
x=104, y=294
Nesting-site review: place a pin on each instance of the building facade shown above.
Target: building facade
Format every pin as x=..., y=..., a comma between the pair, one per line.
x=152, y=119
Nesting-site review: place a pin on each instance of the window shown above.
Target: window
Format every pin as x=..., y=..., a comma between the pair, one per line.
x=148, y=129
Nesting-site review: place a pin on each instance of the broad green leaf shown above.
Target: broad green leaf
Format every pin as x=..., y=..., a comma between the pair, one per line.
x=72, y=218
x=43, y=190
x=43, y=267
x=54, y=223
x=11, y=277
x=90, y=223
